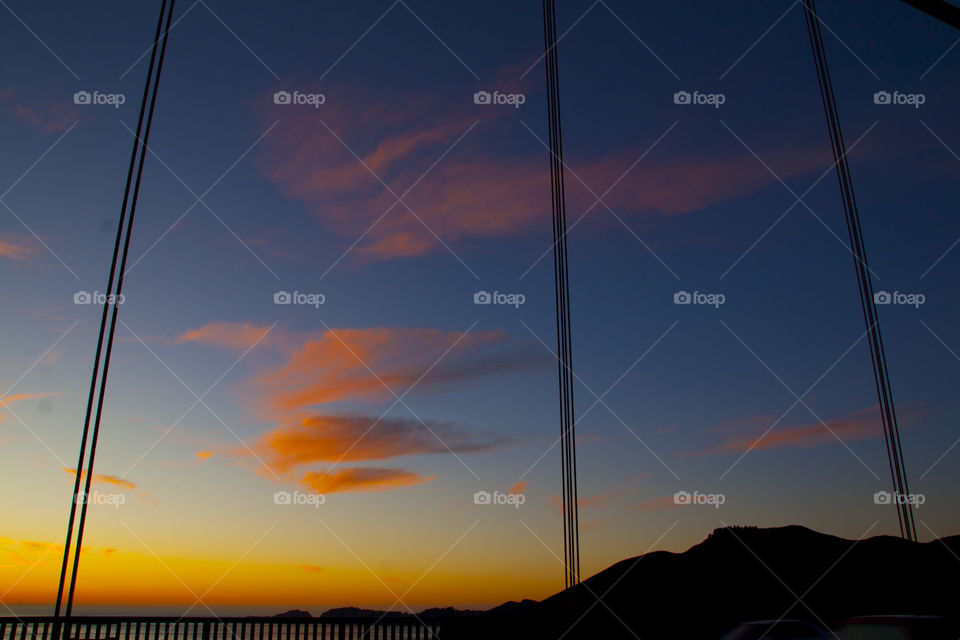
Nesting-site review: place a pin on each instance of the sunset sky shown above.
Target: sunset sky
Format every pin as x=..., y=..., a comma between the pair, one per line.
x=394, y=202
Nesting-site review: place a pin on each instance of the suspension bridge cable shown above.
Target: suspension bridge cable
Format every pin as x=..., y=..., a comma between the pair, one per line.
x=570, y=514
x=139, y=151
x=891, y=429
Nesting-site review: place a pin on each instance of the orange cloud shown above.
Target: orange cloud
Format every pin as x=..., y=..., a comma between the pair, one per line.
x=311, y=568
x=361, y=363
x=114, y=480
x=32, y=552
x=326, y=438
x=361, y=479
x=520, y=487
x=204, y=455
x=355, y=365
x=861, y=424
x=6, y=401
x=235, y=335
x=17, y=397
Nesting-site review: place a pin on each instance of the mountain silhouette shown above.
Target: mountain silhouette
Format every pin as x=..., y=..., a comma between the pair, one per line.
x=736, y=575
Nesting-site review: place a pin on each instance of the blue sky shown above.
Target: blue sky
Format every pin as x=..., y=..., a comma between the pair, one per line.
x=243, y=197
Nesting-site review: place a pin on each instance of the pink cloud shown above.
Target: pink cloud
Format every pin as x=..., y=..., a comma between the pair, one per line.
x=477, y=191
x=50, y=118
x=235, y=335
x=862, y=424
x=16, y=251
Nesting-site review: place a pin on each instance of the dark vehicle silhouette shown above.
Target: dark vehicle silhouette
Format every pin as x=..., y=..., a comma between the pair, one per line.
x=896, y=628
x=778, y=630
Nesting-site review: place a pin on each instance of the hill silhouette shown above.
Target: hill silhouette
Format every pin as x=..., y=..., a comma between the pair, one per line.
x=739, y=574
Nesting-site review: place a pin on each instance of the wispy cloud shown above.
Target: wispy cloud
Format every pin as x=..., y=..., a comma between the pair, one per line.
x=6, y=401
x=13, y=250
x=342, y=364
x=30, y=552
x=862, y=424
x=311, y=568
x=332, y=438
x=361, y=479
x=235, y=335
x=48, y=118
x=116, y=481
x=520, y=487
x=480, y=189
x=321, y=369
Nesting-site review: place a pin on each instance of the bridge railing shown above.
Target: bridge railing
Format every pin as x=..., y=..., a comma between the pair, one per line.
x=225, y=628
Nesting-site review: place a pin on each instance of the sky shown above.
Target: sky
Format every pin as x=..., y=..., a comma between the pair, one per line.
x=307, y=394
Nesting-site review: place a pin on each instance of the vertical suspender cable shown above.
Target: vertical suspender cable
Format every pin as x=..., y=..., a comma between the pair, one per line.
x=120, y=250
x=891, y=429
x=571, y=526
